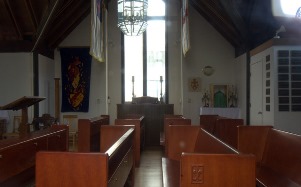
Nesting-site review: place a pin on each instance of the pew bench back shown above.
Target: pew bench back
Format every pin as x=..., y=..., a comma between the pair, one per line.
x=226, y=130
x=168, y=122
x=204, y=160
x=278, y=155
x=193, y=139
x=18, y=155
x=89, y=133
x=74, y=169
x=138, y=122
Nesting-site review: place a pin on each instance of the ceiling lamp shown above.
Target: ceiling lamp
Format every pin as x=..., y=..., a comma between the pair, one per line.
x=132, y=16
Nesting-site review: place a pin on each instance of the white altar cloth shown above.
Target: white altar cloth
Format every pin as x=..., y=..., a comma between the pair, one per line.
x=233, y=113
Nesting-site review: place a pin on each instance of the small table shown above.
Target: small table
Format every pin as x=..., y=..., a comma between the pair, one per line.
x=23, y=103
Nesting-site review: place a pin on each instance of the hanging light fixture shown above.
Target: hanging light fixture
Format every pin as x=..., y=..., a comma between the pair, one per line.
x=132, y=16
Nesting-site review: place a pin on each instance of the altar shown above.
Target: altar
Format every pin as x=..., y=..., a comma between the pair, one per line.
x=233, y=113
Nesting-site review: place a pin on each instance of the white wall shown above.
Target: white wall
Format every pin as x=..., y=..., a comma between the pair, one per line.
x=16, y=80
x=46, y=85
x=174, y=54
x=208, y=47
x=114, y=61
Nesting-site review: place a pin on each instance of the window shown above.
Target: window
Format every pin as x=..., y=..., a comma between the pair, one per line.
x=144, y=57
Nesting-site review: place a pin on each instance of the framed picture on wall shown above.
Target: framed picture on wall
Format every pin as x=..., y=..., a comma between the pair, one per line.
x=219, y=95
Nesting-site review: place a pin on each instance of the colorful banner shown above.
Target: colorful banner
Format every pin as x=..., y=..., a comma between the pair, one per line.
x=97, y=31
x=76, y=73
x=185, y=27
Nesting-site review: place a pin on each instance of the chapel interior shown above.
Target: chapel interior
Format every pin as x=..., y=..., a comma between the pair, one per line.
x=150, y=93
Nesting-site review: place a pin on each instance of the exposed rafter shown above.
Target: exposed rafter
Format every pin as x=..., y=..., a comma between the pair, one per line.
x=12, y=17
x=46, y=21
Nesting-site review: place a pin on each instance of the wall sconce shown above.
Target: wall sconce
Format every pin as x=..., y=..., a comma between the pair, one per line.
x=281, y=29
x=208, y=70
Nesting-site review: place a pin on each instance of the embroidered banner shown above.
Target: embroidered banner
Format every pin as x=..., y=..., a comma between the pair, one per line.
x=97, y=30
x=185, y=27
x=76, y=73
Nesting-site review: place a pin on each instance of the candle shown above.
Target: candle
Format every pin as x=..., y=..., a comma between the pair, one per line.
x=161, y=78
x=133, y=79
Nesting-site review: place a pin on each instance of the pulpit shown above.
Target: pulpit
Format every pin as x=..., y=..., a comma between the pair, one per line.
x=23, y=103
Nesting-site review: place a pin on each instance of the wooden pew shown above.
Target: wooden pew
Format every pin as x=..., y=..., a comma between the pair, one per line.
x=207, y=122
x=113, y=166
x=278, y=154
x=162, y=134
x=197, y=158
x=223, y=128
x=172, y=121
x=138, y=122
x=18, y=155
x=226, y=130
x=89, y=133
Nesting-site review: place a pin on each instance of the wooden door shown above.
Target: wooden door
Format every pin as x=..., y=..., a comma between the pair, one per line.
x=256, y=93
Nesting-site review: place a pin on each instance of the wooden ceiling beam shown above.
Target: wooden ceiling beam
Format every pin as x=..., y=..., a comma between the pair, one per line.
x=46, y=22
x=73, y=16
x=230, y=7
x=212, y=13
x=33, y=17
x=15, y=46
x=12, y=17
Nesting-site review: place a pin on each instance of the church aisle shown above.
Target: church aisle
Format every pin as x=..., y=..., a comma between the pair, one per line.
x=149, y=174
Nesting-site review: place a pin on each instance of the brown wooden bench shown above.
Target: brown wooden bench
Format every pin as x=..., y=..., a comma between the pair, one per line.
x=278, y=154
x=197, y=158
x=162, y=134
x=223, y=128
x=89, y=133
x=226, y=130
x=138, y=122
x=172, y=120
x=207, y=122
x=113, y=166
x=18, y=155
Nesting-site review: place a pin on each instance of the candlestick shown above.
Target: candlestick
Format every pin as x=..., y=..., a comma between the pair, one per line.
x=133, y=86
x=161, y=98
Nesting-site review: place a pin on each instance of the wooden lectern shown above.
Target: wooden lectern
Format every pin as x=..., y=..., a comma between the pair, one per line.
x=23, y=103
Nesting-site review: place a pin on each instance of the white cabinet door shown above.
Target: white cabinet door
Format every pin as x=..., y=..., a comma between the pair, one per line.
x=256, y=93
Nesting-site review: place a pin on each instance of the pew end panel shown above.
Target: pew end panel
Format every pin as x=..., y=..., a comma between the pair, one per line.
x=71, y=169
x=139, y=134
x=251, y=140
x=215, y=170
x=168, y=122
x=226, y=130
x=283, y=155
x=208, y=122
x=181, y=138
x=112, y=168
x=89, y=133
